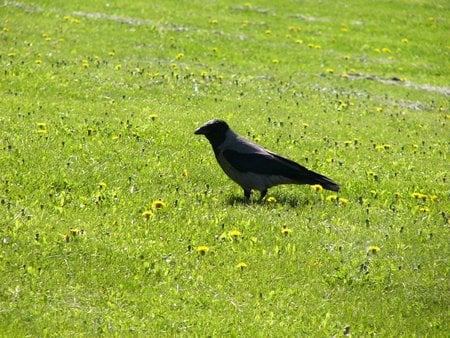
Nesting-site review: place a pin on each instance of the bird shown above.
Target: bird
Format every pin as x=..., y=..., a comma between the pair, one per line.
x=254, y=167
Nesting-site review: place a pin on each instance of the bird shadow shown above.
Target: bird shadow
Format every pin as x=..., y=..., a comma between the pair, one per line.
x=291, y=200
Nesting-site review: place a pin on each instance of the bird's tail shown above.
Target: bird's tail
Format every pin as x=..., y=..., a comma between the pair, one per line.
x=325, y=182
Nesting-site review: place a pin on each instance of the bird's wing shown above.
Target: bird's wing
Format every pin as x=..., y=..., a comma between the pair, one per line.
x=264, y=163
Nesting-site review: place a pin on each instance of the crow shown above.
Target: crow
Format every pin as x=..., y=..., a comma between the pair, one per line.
x=254, y=167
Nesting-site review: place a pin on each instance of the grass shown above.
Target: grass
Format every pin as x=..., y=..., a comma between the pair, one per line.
x=116, y=220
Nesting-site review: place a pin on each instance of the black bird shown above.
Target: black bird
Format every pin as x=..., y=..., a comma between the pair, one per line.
x=254, y=167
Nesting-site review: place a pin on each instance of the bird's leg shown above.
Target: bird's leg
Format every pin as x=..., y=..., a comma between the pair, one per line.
x=263, y=194
x=247, y=194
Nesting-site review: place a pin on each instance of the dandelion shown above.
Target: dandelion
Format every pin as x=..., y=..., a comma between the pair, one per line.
x=397, y=195
x=75, y=231
x=152, y=117
x=373, y=249
x=275, y=61
x=385, y=50
x=147, y=214
x=102, y=185
x=424, y=209
x=286, y=231
x=235, y=234
x=41, y=128
x=419, y=196
x=185, y=173
x=379, y=109
x=85, y=63
x=343, y=200
x=118, y=67
x=202, y=249
x=112, y=53
x=329, y=70
x=347, y=143
x=433, y=198
x=5, y=29
x=179, y=56
x=213, y=21
x=203, y=74
x=271, y=199
x=317, y=188
x=332, y=198
x=158, y=204
x=299, y=41
x=305, y=125
x=241, y=265
x=11, y=55
x=405, y=40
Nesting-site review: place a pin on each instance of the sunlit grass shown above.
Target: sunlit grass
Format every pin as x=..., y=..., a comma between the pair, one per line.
x=117, y=220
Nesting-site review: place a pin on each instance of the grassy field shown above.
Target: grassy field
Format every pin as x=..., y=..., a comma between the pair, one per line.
x=116, y=220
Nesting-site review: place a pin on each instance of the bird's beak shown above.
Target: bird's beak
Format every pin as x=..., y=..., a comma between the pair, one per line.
x=200, y=131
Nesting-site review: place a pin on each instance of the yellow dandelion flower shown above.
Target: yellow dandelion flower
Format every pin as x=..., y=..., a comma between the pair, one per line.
x=75, y=231
x=424, y=209
x=385, y=50
x=419, y=196
x=343, y=200
x=271, y=199
x=38, y=62
x=102, y=185
x=286, y=231
x=118, y=67
x=332, y=198
x=373, y=249
x=405, y=40
x=152, y=117
x=397, y=195
x=305, y=125
x=317, y=188
x=299, y=41
x=179, y=56
x=41, y=125
x=379, y=109
x=275, y=61
x=347, y=143
x=204, y=74
x=158, y=204
x=234, y=234
x=112, y=53
x=5, y=29
x=147, y=214
x=185, y=173
x=213, y=21
x=241, y=265
x=433, y=198
x=329, y=70
x=202, y=249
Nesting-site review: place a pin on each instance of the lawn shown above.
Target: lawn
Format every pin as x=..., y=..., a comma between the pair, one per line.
x=116, y=220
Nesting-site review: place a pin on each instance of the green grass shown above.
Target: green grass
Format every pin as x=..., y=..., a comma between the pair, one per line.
x=98, y=106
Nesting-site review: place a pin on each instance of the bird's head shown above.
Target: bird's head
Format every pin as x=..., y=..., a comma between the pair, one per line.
x=214, y=130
